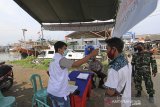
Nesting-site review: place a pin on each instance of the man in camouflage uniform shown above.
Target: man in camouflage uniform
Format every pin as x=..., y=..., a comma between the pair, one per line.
x=141, y=63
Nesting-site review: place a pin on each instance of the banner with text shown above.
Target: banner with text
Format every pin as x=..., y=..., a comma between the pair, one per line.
x=130, y=13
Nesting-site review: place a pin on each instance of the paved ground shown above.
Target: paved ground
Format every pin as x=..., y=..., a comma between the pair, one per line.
x=98, y=94
x=97, y=99
x=23, y=91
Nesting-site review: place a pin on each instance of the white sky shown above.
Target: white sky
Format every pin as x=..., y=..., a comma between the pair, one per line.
x=13, y=19
x=150, y=25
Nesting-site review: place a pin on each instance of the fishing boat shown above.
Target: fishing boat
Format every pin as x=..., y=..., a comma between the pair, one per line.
x=31, y=48
x=47, y=54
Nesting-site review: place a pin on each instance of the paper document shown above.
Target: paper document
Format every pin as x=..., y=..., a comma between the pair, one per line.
x=83, y=76
x=72, y=88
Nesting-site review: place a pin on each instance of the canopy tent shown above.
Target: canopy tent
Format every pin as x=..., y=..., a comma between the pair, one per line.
x=90, y=34
x=72, y=14
x=91, y=26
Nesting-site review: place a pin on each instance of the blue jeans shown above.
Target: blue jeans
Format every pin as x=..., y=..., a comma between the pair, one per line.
x=59, y=101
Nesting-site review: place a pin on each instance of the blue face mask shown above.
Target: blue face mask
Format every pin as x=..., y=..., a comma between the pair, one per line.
x=65, y=52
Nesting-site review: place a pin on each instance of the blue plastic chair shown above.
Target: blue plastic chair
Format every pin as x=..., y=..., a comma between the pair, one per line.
x=40, y=93
x=41, y=104
x=8, y=101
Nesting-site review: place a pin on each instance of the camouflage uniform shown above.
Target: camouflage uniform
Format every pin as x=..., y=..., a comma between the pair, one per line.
x=142, y=62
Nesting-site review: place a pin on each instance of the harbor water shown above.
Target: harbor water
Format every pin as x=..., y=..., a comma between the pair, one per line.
x=9, y=56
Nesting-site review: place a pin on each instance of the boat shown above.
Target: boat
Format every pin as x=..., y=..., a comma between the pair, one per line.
x=27, y=52
x=31, y=48
x=12, y=49
x=47, y=54
x=74, y=55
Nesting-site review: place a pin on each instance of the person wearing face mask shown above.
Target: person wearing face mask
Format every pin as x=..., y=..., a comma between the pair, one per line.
x=57, y=88
x=141, y=63
x=119, y=73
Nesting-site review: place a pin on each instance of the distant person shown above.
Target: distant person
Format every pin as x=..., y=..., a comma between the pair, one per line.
x=142, y=62
x=58, y=70
x=119, y=73
x=96, y=66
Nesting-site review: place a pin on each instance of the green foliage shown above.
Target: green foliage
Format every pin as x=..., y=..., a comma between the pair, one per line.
x=43, y=64
x=105, y=66
x=28, y=63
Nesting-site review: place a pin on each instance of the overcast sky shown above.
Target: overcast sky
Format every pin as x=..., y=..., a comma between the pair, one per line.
x=13, y=19
x=149, y=25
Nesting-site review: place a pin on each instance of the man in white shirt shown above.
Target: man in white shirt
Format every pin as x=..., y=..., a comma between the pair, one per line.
x=58, y=70
x=119, y=72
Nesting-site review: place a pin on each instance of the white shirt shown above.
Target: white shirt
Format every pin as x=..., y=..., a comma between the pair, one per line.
x=58, y=81
x=118, y=79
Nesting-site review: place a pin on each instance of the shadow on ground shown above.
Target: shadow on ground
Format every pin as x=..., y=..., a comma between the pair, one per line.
x=19, y=91
x=22, y=90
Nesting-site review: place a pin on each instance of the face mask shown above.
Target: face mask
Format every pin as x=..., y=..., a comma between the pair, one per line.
x=111, y=54
x=65, y=52
x=139, y=49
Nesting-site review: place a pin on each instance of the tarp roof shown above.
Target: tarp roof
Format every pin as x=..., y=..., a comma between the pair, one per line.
x=90, y=34
x=69, y=11
x=82, y=34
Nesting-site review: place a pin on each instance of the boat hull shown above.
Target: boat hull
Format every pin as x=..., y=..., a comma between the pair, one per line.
x=26, y=52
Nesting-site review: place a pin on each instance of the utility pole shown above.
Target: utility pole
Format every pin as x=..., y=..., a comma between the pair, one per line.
x=42, y=32
x=42, y=35
x=24, y=30
x=24, y=33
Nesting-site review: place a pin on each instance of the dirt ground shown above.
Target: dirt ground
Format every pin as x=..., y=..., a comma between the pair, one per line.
x=22, y=88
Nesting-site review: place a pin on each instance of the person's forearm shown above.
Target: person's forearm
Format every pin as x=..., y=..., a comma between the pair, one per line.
x=154, y=66
x=81, y=61
x=93, y=70
x=110, y=92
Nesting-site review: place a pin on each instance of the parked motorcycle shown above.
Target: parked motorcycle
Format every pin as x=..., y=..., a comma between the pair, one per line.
x=6, y=76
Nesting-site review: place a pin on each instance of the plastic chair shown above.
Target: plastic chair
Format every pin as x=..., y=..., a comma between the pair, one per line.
x=41, y=104
x=8, y=101
x=40, y=93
